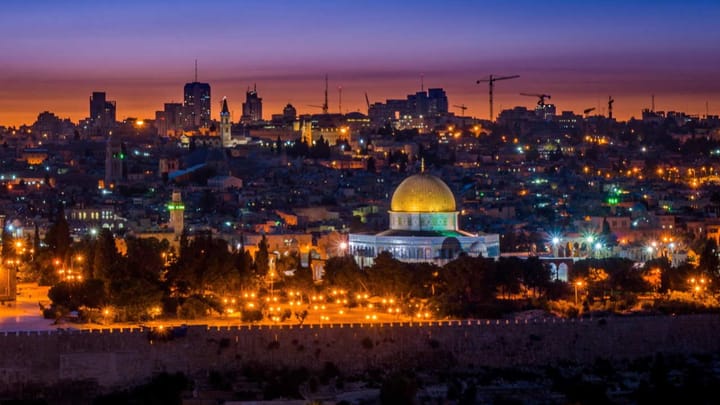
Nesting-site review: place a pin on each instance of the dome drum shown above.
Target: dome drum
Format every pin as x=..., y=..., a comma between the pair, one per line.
x=420, y=221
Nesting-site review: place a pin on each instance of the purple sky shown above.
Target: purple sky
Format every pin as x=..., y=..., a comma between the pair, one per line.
x=54, y=54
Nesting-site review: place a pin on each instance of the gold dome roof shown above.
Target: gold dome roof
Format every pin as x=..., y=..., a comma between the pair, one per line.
x=422, y=193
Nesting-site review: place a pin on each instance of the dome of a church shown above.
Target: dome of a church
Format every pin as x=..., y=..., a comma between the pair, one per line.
x=422, y=193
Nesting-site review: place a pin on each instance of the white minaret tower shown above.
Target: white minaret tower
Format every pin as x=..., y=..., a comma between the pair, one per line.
x=177, y=213
x=225, y=125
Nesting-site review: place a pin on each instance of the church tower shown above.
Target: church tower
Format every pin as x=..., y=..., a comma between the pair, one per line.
x=225, y=125
x=177, y=213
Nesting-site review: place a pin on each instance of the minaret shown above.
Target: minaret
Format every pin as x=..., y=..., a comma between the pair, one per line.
x=114, y=159
x=225, y=125
x=177, y=213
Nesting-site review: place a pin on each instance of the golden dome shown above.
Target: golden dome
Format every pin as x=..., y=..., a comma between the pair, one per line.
x=422, y=193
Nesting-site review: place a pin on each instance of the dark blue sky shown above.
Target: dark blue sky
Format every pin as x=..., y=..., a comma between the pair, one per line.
x=141, y=53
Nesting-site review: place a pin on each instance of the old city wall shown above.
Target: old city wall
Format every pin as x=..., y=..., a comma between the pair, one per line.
x=127, y=356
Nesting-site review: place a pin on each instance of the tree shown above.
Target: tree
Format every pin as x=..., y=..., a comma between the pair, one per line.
x=207, y=265
x=508, y=275
x=107, y=261
x=709, y=261
x=468, y=284
x=243, y=265
x=7, y=243
x=343, y=272
x=535, y=275
x=262, y=258
x=58, y=235
x=389, y=276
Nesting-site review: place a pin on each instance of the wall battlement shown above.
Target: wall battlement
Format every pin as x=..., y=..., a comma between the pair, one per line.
x=117, y=357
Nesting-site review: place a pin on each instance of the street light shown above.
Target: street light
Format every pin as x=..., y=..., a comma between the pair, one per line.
x=577, y=284
x=271, y=274
x=698, y=285
x=555, y=242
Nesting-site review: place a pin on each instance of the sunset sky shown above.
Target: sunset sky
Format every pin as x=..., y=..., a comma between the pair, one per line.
x=55, y=53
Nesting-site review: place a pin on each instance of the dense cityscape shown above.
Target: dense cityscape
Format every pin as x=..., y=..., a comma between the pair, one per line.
x=428, y=247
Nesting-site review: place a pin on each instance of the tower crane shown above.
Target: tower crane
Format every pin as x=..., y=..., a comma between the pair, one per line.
x=588, y=111
x=367, y=101
x=610, y=103
x=462, y=108
x=491, y=83
x=541, y=98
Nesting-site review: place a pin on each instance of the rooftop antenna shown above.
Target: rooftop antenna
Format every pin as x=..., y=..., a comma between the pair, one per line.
x=340, y=99
x=196, y=70
x=652, y=106
x=422, y=82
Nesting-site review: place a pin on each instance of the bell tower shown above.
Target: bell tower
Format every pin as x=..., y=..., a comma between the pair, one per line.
x=225, y=125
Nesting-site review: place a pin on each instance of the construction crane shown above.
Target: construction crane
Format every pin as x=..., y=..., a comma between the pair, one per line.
x=588, y=111
x=462, y=108
x=541, y=98
x=491, y=83
x=367, y=101
x=610, y=103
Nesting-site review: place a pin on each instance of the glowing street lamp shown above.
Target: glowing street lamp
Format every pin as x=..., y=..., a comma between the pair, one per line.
x=576, y=285
x=555, y=242
x=698, y=285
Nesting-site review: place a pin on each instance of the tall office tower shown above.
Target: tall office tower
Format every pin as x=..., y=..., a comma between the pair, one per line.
x=225, y=125
x=102, y=111
x=196, y=103
x=177, y=213
x=437, y=102
x=252, y=107
x=114, y=161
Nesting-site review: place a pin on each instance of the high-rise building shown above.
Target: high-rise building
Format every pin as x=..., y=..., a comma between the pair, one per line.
x=437, y=102
x=225, y=125
x=173, y=120
x=196, y=103
x=102, y=111
x=252, y=107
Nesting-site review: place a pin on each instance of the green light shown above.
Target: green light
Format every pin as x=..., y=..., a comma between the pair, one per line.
x=175, y=206
x=613, y=200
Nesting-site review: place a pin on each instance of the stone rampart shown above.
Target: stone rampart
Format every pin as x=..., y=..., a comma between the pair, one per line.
x=116, y=357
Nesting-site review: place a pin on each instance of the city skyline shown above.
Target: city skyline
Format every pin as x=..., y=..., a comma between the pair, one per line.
x=141, y=55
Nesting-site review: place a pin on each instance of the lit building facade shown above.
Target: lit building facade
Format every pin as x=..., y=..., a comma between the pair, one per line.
x=423, y=228
x=196, y=104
